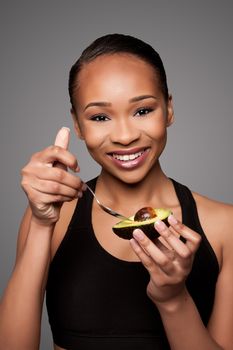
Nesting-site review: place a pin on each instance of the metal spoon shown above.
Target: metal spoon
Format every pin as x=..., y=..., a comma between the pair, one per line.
x=107, y=209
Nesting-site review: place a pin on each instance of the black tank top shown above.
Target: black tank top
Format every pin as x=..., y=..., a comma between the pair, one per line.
x=96, y=301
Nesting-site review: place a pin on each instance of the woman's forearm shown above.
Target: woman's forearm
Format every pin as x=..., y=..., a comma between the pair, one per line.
x=21, y=304
x=183, y=325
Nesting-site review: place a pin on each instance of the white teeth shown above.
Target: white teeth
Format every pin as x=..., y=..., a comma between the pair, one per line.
x=127, y=157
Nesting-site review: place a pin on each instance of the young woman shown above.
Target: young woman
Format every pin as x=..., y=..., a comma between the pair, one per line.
x=104, y=292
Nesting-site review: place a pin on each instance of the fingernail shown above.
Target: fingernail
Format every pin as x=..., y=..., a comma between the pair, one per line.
x=80, y=194
x=138, y=234
x=66, y=128
x=172, y=220
x=160, y=224
x=84, y=187
x=63, y=131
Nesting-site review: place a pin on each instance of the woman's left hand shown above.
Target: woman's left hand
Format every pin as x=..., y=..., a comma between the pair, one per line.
x=168, y=263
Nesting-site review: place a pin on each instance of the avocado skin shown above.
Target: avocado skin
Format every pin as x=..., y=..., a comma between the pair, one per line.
x=149, y=230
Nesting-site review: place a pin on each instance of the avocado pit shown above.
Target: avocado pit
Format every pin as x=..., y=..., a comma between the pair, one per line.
x=144, y=219
x=145, y=213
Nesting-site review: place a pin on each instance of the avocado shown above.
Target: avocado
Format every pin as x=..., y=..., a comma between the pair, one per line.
x=144, y=219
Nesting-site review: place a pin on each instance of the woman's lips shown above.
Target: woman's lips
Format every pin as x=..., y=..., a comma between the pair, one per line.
x=129, y=159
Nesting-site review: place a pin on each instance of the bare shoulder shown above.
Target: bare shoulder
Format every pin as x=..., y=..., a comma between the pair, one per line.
x=66, y=214
x=216, y=220
x=217, y=215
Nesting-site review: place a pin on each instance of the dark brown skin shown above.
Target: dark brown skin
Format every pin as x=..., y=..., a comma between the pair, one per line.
x=113, y=86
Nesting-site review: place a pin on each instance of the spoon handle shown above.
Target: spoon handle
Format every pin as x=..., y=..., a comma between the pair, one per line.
x=107, y=209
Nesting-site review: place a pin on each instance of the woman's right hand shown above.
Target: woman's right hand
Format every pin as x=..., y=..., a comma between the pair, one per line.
x=46, y=181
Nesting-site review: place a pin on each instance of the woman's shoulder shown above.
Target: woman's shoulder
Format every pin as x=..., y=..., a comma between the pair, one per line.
x=216, y=220
x=212, y=210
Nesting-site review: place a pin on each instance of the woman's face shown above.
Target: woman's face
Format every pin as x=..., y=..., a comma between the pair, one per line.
x=122, y=115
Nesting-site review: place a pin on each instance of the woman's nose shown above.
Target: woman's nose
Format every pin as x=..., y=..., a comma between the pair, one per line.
x=124, y=132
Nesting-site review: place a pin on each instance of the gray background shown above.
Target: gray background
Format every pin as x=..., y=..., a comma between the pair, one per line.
x=39, y=42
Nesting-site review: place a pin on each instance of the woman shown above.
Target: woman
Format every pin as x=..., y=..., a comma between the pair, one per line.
x=104, y=292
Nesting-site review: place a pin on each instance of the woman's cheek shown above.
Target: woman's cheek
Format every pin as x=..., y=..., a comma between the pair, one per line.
x=95, y=138
x=156, y=132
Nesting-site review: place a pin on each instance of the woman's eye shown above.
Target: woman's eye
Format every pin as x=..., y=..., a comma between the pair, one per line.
x=99, y=118
x=143, y=111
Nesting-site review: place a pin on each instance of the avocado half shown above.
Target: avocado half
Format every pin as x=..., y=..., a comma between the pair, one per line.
x=125, y=228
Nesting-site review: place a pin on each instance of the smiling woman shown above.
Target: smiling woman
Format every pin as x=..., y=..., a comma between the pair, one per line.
x=104, y=292
x=132, y=109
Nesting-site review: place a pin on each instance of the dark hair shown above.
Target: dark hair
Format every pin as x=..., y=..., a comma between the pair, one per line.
x=118, y=43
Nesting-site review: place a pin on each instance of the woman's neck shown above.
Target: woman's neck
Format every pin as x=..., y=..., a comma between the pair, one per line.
x=151, y=191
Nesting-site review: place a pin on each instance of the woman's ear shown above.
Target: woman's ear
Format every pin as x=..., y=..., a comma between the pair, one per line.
x=170, y=111
x=76, y=124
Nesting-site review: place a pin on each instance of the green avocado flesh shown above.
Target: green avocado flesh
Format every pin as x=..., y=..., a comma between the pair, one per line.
x=125, y=228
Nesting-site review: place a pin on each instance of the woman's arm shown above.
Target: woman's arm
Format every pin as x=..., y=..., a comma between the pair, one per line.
x=221, y=321
x=47, y=187
x=21, y=304
x=184, y=327
x=182, y=313
x=168, y=271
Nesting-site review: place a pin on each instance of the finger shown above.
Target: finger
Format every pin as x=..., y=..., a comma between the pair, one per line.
x=44, y=198
x=163, y=245
x=53, y=174
x=142, y=255
x=192, y=238
x=54, y=188
x=172, y=239
x=63, y=138
x=62, y=141
x=55, y=154
x=157, y=256
x=63, y=177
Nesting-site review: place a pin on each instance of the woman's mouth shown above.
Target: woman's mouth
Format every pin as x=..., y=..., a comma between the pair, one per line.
x=129, y=159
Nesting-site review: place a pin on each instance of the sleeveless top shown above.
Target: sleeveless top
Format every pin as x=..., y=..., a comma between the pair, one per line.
x=96, y=301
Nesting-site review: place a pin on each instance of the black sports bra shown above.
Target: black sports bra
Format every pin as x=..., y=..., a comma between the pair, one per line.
x=97, y=301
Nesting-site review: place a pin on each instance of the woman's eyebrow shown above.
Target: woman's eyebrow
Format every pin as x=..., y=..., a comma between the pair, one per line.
x=107, y=104
x=142, y=97
x=98, y=104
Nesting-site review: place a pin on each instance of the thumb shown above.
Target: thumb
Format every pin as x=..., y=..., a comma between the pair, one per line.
x=63, y=138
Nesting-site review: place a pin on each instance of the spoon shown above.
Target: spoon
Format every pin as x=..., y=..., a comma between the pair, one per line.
x=103, y=207
x=107, y=209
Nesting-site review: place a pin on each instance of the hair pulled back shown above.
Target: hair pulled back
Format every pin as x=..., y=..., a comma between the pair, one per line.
x=113, y=44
